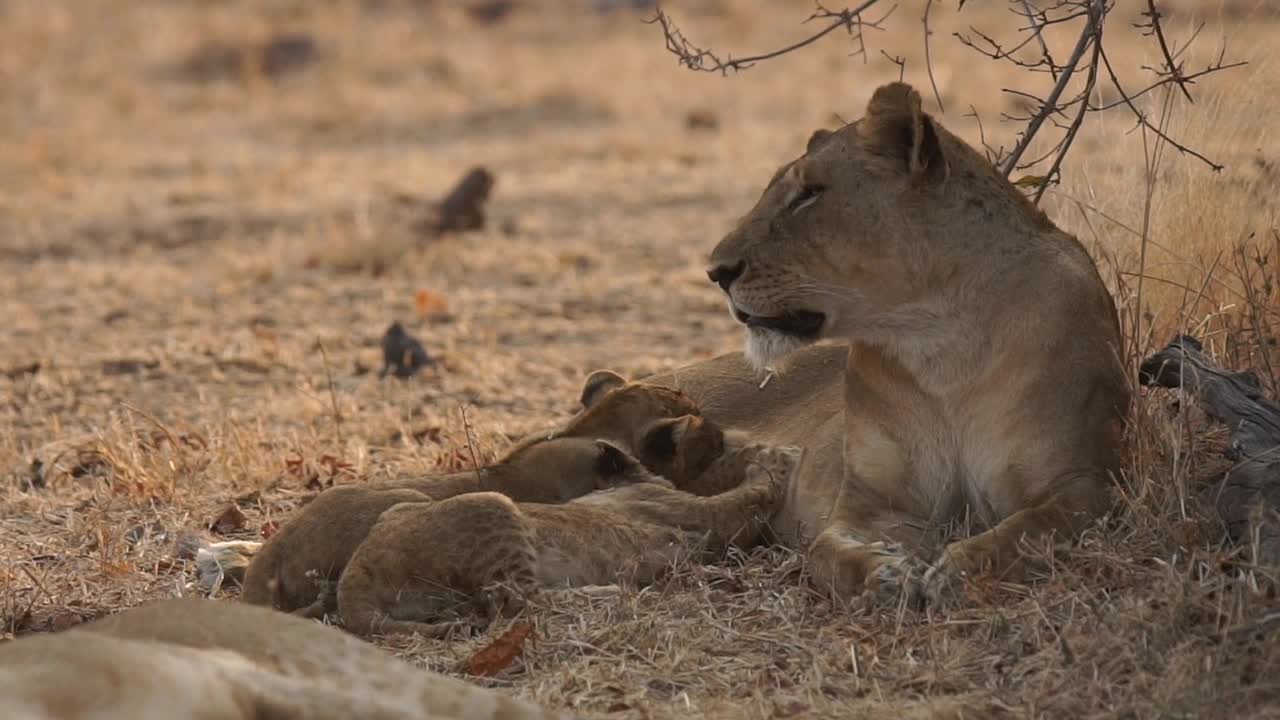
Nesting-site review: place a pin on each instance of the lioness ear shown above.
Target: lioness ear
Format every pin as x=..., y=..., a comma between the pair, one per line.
x=613, y=460
x=662, y=438
x=598, y=384
x=817, y=139
x=895, y=125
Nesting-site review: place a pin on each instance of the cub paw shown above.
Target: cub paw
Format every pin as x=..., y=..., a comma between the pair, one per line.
x=780, y=462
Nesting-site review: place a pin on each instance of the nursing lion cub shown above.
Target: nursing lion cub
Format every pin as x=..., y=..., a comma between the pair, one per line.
x=308, y=554
x=659, y=426
x=424, y=562
x=978, y=380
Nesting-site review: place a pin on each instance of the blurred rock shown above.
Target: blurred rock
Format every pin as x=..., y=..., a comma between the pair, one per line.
x=611, y=5
x=702, y=119
x=281, y=54
x=491, y=11
x=463, y=208
x=402, y=354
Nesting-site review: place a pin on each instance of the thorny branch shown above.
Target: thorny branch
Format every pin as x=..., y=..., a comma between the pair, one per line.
x=703, y=60
x=1078, y=83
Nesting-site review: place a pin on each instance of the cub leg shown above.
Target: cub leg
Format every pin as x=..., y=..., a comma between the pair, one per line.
x=736, y=516
x=422, y=562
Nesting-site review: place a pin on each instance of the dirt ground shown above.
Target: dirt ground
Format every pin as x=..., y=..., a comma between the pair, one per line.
x=201, y=245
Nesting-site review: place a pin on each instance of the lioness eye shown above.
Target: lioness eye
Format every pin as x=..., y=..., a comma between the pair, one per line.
x=806, y=197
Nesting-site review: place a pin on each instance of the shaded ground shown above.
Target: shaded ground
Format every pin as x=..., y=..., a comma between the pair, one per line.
x=204, y=234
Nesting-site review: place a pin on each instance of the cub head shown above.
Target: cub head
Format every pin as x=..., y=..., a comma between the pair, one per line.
x=680, y=449
x=870, y=221
x=660, y=426
x=559, y=469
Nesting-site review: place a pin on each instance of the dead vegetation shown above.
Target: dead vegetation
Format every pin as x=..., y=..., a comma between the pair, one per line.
x=177, y=254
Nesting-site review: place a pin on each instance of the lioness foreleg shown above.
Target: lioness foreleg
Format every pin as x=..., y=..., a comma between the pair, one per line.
x=883, y=573
x=869, y=555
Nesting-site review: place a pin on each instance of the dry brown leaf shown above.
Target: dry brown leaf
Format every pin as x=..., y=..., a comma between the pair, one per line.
x=499, y=654
x=228, y=521
x=428, y=303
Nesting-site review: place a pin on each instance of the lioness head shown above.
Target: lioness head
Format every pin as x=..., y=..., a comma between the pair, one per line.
x=863, y=236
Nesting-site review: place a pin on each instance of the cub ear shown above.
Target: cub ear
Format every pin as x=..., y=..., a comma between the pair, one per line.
x=662, y=439
x=598, y=384
x=818, y=137
x=895, y=125
x=613, y=460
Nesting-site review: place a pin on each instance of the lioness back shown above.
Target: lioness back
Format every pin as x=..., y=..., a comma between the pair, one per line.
x=212, y=660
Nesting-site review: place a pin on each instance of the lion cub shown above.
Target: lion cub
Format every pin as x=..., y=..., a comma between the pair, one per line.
x=309, y=553
x=421, y=561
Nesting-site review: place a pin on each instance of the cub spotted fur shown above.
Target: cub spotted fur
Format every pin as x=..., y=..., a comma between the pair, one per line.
x=422, y=562
x=310, y=551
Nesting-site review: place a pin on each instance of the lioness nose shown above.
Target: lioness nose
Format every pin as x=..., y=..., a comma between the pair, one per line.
x=724, y=275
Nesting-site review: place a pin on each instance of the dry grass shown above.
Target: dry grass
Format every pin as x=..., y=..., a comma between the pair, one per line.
x=175, y=251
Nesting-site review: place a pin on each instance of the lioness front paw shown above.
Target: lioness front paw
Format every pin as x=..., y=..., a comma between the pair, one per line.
x=866, y=575
x=895, y=580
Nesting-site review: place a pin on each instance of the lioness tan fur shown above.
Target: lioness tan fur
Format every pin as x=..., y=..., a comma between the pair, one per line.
x=978, y=379
x=310, y=551
x=216, y=660
x=422, y=562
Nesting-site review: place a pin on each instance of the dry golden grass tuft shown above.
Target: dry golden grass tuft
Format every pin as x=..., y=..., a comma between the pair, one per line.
x=195, y=274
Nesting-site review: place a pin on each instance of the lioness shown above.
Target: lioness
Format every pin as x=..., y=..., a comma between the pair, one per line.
x=215, y=660
x=421, y=561
x=978, y=378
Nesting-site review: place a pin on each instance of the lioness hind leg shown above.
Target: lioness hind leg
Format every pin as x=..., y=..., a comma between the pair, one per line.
x=1062, y=516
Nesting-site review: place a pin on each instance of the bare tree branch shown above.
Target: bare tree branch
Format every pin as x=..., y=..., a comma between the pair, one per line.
x=703, y=60
x=1039, y=35
x=928, y=61
x=1143, y=122
x=1173, y=69
x=901, y=62
x=1096, y=23
x=1077, y=89
x=1050, y=103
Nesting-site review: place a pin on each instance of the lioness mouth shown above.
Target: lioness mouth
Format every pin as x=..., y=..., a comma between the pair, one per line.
x=800, y=323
